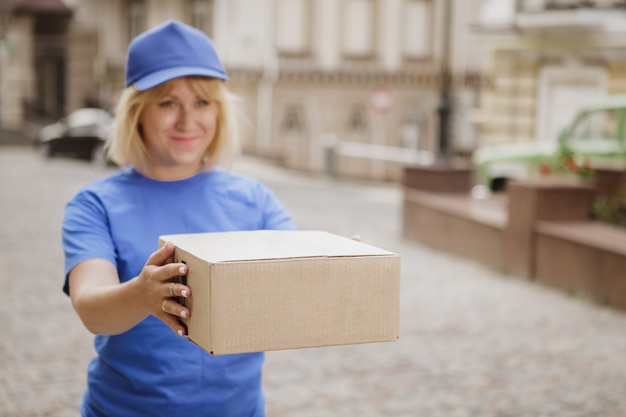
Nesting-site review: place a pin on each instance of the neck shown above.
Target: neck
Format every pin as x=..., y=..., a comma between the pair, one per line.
x=170, y=173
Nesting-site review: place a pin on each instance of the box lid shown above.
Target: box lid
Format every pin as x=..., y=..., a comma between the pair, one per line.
x=270, y=244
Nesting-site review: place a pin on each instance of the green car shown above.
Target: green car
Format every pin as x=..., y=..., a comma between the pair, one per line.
x=594, y=139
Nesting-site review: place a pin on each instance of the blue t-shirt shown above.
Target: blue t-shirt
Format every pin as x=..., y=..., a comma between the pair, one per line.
x=149, y=370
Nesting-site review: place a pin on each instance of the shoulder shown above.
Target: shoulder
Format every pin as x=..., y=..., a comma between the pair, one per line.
x=240, y=189
x=233, y=182
x=105, y=188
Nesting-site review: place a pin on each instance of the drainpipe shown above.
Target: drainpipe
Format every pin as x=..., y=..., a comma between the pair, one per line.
x=444, y=108
x=265, y=90
x=6, y=18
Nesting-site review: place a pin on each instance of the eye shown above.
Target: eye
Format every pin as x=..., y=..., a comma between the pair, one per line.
x=167, y=103
x=202, y=102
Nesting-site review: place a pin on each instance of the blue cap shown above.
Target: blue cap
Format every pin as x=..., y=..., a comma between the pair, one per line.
x=169, y=51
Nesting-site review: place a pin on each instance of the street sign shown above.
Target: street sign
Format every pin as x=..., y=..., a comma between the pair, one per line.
x=381, y=99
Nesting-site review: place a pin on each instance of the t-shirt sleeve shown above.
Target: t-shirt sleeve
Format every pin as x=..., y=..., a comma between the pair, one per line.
x=85, y=233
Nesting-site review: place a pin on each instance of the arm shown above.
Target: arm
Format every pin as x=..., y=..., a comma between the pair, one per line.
x=107, y=307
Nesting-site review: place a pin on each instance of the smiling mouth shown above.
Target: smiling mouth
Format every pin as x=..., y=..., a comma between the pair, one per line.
x=183, y=140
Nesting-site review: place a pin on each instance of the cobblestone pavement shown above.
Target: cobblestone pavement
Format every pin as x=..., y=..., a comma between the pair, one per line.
x=472, y=342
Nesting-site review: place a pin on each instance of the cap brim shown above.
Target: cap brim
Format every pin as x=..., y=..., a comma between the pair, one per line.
x=159, y=77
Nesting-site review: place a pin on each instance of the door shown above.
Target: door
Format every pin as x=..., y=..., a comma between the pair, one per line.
x=50, y=103
x=562, y=92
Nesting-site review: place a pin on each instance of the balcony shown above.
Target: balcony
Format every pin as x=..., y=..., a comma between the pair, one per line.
x=570, y=16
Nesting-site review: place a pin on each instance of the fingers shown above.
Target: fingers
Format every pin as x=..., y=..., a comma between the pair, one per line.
x=162, y=273
x=162, y=258
x=177, y=290
x=173, y=308
x=159, y=273
x=172, y=313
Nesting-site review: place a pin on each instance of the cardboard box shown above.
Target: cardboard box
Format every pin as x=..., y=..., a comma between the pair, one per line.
x=266, y=290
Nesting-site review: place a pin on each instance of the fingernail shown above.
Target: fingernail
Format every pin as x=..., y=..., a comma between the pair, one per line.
x=184, y=314
x=181, y=269
x=184, y=293
x=180, y=332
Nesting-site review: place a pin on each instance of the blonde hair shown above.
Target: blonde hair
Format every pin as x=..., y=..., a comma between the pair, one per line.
x=126, y=146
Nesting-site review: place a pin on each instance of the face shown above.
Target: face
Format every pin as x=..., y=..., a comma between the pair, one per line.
x=176, y=130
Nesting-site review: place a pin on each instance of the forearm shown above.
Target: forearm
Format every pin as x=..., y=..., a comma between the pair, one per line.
x=108, y=307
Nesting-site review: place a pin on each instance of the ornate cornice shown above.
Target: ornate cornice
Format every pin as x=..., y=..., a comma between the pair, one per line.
x=355, y=77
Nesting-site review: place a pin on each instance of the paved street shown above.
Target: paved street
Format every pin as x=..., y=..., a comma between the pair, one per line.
x=472, y=342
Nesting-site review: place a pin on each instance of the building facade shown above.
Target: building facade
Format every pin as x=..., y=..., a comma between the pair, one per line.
x=544, y=60
x=360, y=78
x=32, y=59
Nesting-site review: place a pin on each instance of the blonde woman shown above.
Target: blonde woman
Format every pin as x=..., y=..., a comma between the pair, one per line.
x=174, y=125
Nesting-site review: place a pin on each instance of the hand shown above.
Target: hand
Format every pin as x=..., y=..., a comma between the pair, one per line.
x=156, y=278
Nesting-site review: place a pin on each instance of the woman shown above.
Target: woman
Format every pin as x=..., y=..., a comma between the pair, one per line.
x=174, y=124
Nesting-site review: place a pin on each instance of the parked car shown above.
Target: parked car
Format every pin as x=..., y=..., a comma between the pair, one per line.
x=594, y=139
x=81, y=134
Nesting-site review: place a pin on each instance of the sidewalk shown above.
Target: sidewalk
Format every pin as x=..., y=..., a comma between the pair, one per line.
x=472, y=342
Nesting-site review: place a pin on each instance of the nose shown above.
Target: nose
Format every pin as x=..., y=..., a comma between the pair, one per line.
x=184, y=120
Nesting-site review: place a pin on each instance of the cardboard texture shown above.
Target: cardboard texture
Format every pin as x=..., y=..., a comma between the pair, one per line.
x=267, y=290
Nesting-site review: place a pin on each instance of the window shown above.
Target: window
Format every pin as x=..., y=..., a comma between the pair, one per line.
x=135, y=17
x=594, y=125
x=417, y=29
x=563, y=90
x=359, y=28
x=357, y=119
x=293, y=118
x=596, y=134
x=293, y=28
x=201, y=15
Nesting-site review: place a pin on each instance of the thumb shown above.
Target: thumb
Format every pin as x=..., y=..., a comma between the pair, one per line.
x=162, y=255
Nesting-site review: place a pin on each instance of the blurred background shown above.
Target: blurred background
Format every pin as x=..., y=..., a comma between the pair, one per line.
x=367, y=91
x=380, y=83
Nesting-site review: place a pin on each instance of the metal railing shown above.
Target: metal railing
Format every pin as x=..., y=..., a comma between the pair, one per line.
x=373, y=152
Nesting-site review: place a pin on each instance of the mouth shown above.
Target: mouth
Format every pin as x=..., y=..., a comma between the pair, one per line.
x=184, y=140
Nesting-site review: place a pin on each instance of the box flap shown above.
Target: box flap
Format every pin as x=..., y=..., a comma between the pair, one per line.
x=270, y=244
